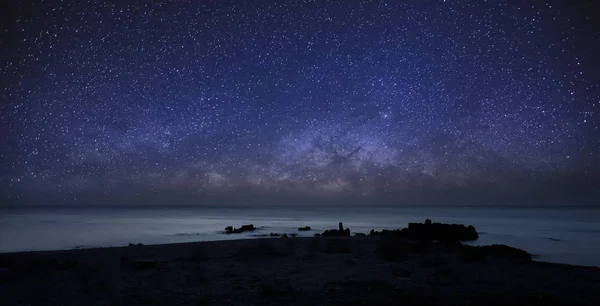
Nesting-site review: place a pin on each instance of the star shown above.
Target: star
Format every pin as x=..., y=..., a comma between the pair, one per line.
x=381, y=100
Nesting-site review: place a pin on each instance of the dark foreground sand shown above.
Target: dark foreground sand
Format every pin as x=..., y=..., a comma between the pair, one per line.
x=287, y=271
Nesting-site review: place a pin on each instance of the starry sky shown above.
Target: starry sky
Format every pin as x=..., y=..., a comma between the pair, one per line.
x=250, y=102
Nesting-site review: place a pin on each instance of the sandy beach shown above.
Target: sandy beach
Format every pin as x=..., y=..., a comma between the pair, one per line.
x=289, y=271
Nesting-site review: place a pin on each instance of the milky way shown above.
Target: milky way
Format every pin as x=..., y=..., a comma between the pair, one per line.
x=390, y=101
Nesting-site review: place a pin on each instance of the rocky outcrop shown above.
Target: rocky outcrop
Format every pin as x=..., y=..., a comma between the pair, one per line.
x=441, y=231
x=244, y=228
x=429, y=231
x=340, y=232
x=389, y=233
x=304, y=228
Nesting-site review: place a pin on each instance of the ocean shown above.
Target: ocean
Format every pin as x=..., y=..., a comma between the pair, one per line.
x=560, y=235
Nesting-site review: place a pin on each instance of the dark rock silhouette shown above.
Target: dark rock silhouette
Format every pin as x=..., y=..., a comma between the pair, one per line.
x=248, y=227
x=447, y=233
x=318, y=235
x=441, y=232
x=244, y=228
x=284, y=236
x=389, y=233
x=275, y=235
x=304, y=229
x=499, y=251
x=340, y=232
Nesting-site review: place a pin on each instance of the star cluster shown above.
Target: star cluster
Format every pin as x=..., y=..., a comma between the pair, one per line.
x=191, y=99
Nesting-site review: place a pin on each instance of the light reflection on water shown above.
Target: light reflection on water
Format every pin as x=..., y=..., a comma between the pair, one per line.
x=566, y=235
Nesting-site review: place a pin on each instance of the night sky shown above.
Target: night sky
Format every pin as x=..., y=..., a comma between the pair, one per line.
x=303, y=102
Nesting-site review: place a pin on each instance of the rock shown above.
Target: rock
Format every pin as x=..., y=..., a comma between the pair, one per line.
x=244, y=228
x=390, y=233
x=441, y=232
x=284, y=236
x=499, y=251
x=275, y=235
x=248, y=227
x=432, y=231
x=132, y=244
x=304, y=229
x=340, y=232
x=317, y=235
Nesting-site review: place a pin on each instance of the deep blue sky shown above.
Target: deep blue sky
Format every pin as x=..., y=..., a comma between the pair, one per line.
x=398, y=102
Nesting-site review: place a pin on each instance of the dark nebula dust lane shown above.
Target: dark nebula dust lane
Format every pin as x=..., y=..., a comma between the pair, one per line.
x=377, y=101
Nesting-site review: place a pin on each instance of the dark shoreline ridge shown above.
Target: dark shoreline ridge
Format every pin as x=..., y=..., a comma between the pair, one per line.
x=427, y=231
x=377, y=270
x=432, y=231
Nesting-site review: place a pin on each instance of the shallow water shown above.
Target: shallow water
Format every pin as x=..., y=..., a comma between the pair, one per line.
x=564, y=235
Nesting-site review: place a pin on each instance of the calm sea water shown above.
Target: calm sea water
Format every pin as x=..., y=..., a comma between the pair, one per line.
x=564, y=235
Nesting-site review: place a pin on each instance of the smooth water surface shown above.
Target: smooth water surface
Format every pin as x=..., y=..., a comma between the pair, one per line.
x=565, y=235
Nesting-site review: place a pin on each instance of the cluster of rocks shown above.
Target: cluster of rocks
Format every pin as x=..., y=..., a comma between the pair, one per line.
x=432, y=231
x=244, y=228
x=251, y=227
x=426, y=231
x=340, y=232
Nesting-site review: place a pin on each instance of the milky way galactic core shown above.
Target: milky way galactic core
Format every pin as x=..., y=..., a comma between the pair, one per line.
x=178, y=102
